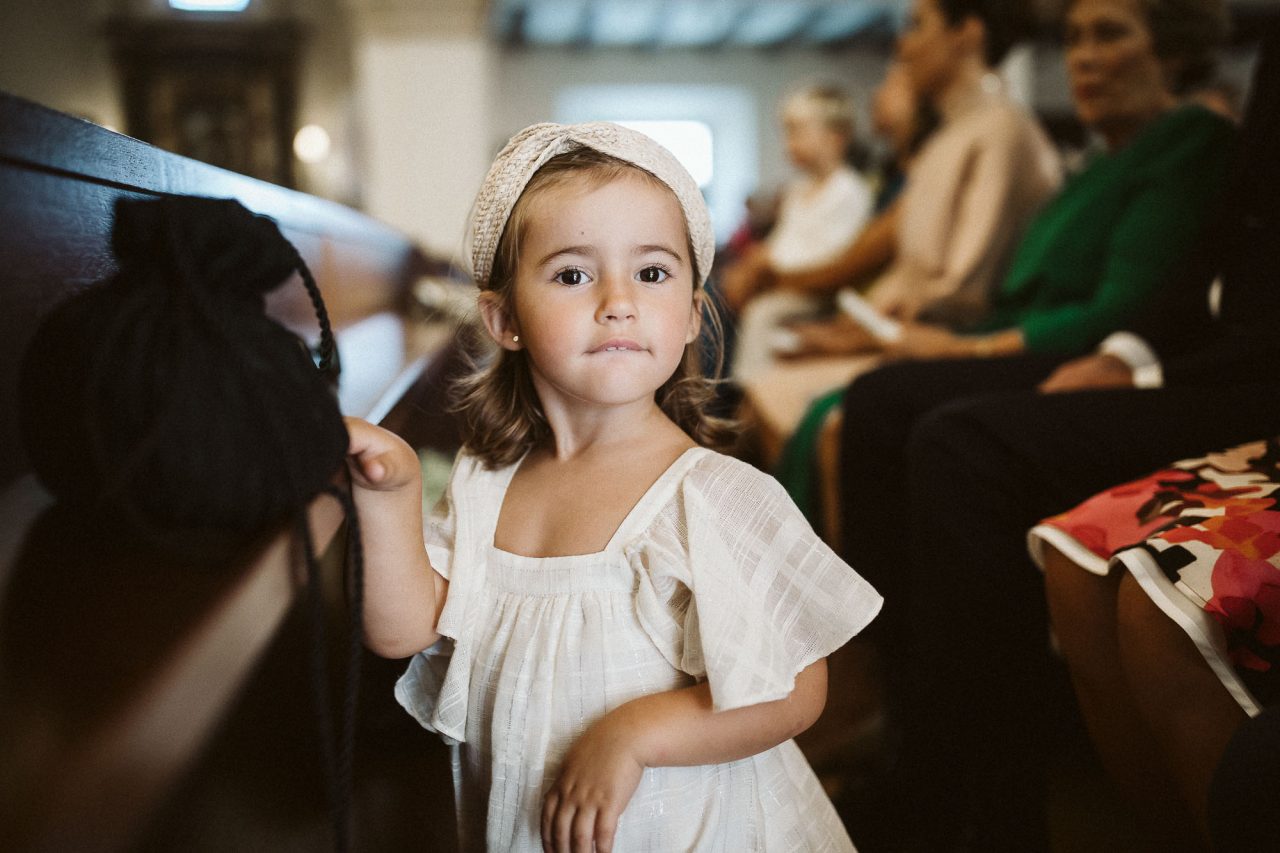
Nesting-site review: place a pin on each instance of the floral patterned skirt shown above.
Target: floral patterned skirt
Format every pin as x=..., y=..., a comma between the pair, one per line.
x=1202, y=537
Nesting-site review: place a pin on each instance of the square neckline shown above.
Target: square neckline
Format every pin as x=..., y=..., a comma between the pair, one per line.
x=631, y=519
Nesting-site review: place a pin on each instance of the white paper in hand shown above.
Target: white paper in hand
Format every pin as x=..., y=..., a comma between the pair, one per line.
x=882, y=328
x=785, y=341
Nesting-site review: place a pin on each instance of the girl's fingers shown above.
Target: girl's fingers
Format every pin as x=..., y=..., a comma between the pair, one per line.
x=373, y=468
x=360, y=435
x=369, y=470
x=562, y=828
x=548, y=816
x=363, y=447
x=378, y=459
x=584, y=830
x=606, y=828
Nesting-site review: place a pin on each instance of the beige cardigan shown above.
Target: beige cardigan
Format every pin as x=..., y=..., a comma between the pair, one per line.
x=971, y=191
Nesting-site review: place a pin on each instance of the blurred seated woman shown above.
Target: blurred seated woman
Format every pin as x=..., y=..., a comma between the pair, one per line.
x=1165, y=598
x=972, y=189
x=1103, y=245
x=903, y=121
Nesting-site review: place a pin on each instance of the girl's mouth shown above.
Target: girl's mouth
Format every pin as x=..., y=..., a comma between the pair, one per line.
x=619, y=345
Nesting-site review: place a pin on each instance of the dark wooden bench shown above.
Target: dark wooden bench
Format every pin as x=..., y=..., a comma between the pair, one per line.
x=149, y=706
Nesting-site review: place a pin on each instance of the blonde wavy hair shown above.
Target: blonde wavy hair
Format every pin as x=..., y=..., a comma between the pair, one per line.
x=832, y=105
x=501, y=414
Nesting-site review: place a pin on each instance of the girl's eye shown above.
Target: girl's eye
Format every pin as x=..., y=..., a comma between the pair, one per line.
x=653, y=275
x=571, y=276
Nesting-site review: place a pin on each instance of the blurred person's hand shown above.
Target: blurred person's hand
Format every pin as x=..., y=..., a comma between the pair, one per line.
x=746, y=278
x=923, y=341
x=1089, y=372
x=837, y=336
x=903, y=308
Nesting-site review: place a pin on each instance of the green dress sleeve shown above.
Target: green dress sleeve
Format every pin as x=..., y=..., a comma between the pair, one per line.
x=1147, y=207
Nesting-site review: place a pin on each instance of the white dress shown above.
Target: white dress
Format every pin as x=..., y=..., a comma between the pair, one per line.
x=713, y=574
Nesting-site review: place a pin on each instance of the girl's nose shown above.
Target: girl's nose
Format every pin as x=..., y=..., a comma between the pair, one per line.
x=616, y=300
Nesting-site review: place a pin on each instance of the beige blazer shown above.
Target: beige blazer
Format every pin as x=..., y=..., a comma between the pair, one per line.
x=971, y=192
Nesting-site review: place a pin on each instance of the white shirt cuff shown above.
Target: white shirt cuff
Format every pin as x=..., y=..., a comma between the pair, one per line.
x=1135, y=352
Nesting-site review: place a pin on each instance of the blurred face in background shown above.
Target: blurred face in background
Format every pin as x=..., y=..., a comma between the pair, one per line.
x=932, y=50
x=813, y=145
x=893, y=110
x=1118, y=83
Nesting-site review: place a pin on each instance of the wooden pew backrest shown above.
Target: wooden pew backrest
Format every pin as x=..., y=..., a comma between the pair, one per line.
x=60, y=177
x=126, y=671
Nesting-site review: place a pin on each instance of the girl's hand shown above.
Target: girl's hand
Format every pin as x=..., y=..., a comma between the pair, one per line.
x=675, y=728
x=403, y=595
x=379, y=459
x=596, y=781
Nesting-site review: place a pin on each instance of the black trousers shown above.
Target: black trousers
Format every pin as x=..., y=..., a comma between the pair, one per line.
x=944, y=467
x=1244, y=797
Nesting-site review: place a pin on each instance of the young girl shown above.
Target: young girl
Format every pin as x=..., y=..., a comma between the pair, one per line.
x=633, y=626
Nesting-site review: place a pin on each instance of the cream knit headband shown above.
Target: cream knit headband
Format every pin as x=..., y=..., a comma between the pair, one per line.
x=529, y=149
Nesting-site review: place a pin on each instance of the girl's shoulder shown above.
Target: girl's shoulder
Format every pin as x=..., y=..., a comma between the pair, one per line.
x=470, y=468
x=726, y=493
x=472, y=484
x=716, y=474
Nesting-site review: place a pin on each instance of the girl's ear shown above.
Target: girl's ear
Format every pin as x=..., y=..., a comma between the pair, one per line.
x=498, y=321
x=695, y=316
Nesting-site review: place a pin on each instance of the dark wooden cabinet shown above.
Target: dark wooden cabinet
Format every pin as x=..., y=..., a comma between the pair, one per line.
x=221, y=92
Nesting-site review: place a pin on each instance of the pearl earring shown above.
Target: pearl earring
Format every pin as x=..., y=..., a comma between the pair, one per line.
x=515, y=339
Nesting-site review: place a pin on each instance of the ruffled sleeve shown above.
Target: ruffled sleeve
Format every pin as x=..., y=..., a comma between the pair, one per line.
x=734, y=586
x=440, y=531
x=436, y=686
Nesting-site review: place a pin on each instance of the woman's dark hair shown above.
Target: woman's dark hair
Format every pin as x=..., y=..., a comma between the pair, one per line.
x=166, y=406
x=927, y=120
x=1006, y=22
x=1188, y=32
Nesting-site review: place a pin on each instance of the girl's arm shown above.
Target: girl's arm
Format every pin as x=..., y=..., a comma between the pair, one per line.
x=403, y=595
x=675, y=728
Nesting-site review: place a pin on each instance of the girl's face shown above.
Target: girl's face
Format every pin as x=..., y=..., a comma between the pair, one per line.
x=603, y=299
x=1117, y=81
x=930, y=49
